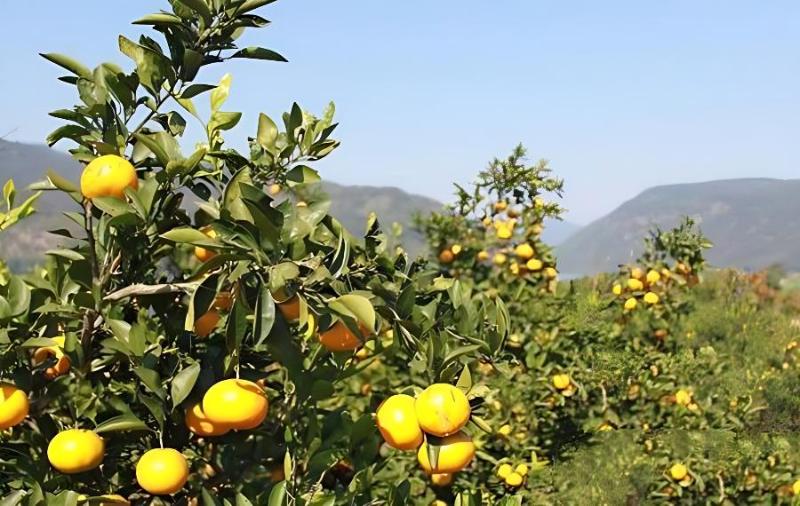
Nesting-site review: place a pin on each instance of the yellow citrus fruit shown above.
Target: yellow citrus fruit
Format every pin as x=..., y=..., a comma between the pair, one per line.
x=206, y=324
x=62, y=364
x=397, y=422
x=637, y=273
x=683, y=397
x=438, y=502
x=108, y=176
x=505, y=430
x=500, y=206
x=651, y=298
x=75, y=451
x=499, y=258
x=504, y=232
x=237, y=403
x=514, y=268
x=561, y=381
x=630, y=304
x=550, y=273
x=524, y=251
x=274, y=189
x=162, y=471
x=197, y=422
x=678, y=471
x=796, y=487
x=442, y=409
x=635, y=284
x=534, y=264
x=521, y=469
x=653, y=276
x=616, y=289
x=504, y=470
x=456, y=249
x=14, y=405
x=514, y=480
x=446, y=256
x=340, y=338
x=441, y=480
x=455, y=453
x=203, y=254
x=483, y=256
x=538, y=202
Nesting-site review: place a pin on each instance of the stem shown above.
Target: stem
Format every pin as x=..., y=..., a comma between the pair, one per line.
x=87, y=208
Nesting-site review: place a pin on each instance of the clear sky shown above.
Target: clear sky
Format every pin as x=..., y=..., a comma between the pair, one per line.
x=618, y=95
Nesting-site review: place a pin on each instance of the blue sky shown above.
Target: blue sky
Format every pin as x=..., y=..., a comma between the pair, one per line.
x=618, y=95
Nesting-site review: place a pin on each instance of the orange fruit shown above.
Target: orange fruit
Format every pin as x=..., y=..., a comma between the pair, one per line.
x=290, y=309
x=223, y=301
x=455, y=453
x=524, y=251
x=201, y=253
x=397, y=422
x=446, y=256
x=206, y=324
x=442, y=409
x=561, y=381
x=483, y=255
x=61, y=366
x=197, y=422
x=108, y=176
x=75, y=451
x=678, y=471
x=340, y=338
x=236, y=403
x=162, y=471
x=441, y=480
x=14, y=405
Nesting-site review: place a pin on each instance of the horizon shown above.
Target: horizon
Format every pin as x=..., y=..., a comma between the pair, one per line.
x=619, y=98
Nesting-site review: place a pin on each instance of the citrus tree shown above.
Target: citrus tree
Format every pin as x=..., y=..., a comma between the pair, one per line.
x=196, y=339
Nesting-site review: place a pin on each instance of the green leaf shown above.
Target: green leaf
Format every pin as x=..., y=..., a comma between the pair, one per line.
x=259, y=53
x=153, y=68
x=161, y=18
x=357, y=307
x=302, y=174
x=196, y=89
x=66, y=253
x=267, y=132
x=9, y=192
x=186, y=235
x=200, y=7
x=120, y=423
x=68, y=63
x=464, y=382
x=61, y=182
x=220, y=93
x=264, y=315
x=278, y=495
x=183, y=383
x=251, y=5
x=151, y=380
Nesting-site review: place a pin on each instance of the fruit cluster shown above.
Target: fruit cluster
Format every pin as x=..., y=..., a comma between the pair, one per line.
x=432, y=424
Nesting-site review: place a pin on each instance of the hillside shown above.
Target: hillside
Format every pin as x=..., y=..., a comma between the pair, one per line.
x=753, y=223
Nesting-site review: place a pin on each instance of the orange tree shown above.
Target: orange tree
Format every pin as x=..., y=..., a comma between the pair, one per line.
x=200, y=353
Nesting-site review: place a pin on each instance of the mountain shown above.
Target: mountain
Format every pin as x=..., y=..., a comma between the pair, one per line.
x=26, y=163
x=753, y=223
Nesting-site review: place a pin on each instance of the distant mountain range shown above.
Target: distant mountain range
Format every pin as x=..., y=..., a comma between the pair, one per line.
x=26, y=163
x=753, y=223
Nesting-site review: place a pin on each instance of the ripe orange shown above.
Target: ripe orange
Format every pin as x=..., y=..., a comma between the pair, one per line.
x=651, y=298
x=61, y=366
x=534, y=264
x=637, y=273
x=635, y=284
x=446, y=256
x=340, y=338
x=455, y=453
x=524, y=251
x=290, y=309
x=197, y=422
x=630, y=304
x=397, y=422
x=236, y=403
x=14, y=405
x=442, y=409
x=223, y=301
x=206, y=324
x=513, y=480
x=678, y=471
x=616, y=289
x=75, y=451
x=561, y=381
x=483, y=256
x=441, y=480
x=108, y=176
x=162, y=471
x=203, y=254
